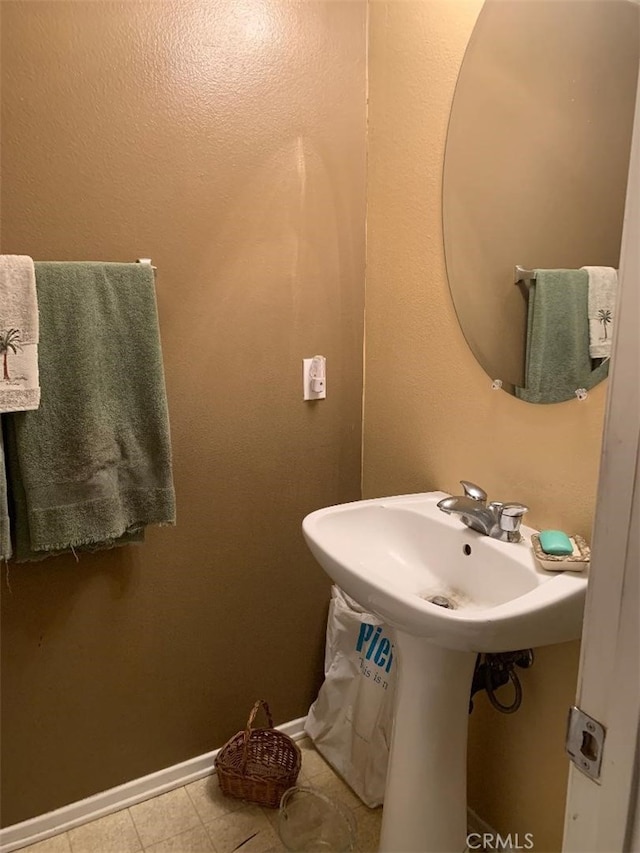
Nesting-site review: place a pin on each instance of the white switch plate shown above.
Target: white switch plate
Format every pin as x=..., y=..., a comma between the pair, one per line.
x=307, y=393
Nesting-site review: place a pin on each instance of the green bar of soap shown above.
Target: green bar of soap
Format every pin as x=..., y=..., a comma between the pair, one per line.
x=555, y=542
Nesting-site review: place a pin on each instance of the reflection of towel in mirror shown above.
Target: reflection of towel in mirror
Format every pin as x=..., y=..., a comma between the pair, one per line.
x=557, y=359
x=603, y=284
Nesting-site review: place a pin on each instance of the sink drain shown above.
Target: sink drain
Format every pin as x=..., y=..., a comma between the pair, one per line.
x=442, y=601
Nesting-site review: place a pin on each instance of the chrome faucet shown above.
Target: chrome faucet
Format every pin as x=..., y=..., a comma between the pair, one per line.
x=497, y=520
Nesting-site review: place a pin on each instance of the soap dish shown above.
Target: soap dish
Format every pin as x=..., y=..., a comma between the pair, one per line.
x=576, y=562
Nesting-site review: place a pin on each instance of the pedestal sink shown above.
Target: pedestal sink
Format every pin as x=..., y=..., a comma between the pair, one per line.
x=393, y=555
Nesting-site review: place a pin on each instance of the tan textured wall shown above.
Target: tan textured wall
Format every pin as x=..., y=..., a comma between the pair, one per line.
x=430, y=415
x=225, y=139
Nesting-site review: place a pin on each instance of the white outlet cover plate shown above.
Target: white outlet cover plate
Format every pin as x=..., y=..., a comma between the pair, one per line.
x=307, y=393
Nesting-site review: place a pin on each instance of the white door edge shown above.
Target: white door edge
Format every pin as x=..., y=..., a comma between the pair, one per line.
x=604, y=817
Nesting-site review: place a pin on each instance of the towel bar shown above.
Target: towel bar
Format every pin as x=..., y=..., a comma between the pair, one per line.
x=521, y=274
x=147, y=261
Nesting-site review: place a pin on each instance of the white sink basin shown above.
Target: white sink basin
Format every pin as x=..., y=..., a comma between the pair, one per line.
x=393, y=554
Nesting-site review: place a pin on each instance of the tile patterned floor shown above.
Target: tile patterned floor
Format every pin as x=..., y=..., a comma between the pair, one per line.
x=199, y=819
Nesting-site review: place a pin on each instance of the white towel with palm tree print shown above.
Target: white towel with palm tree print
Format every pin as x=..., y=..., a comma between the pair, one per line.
x=603, y=286
x=19, y=383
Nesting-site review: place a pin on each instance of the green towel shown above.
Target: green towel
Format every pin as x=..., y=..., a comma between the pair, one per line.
x=557, y=356
x=5, y=537
x=92, y=466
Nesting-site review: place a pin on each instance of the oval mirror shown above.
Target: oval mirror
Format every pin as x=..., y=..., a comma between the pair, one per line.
x=535, y=176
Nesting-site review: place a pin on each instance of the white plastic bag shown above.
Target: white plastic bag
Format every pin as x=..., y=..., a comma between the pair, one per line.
x=350, y=721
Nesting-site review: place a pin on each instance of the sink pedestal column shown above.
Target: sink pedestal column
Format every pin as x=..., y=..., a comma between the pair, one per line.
x=425, y=804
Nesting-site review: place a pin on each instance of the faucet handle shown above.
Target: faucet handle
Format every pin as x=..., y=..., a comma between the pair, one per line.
x=474, y=492
x=510, y=517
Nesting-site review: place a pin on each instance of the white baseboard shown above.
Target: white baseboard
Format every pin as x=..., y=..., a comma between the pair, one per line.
x=121, y=797
x=484, y=834
x=476, y=824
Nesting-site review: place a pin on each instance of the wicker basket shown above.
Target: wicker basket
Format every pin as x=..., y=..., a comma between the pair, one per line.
x=258, y=764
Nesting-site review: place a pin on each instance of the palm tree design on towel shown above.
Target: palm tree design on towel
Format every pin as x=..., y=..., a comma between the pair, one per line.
x=9, y=340
x=604, y=317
